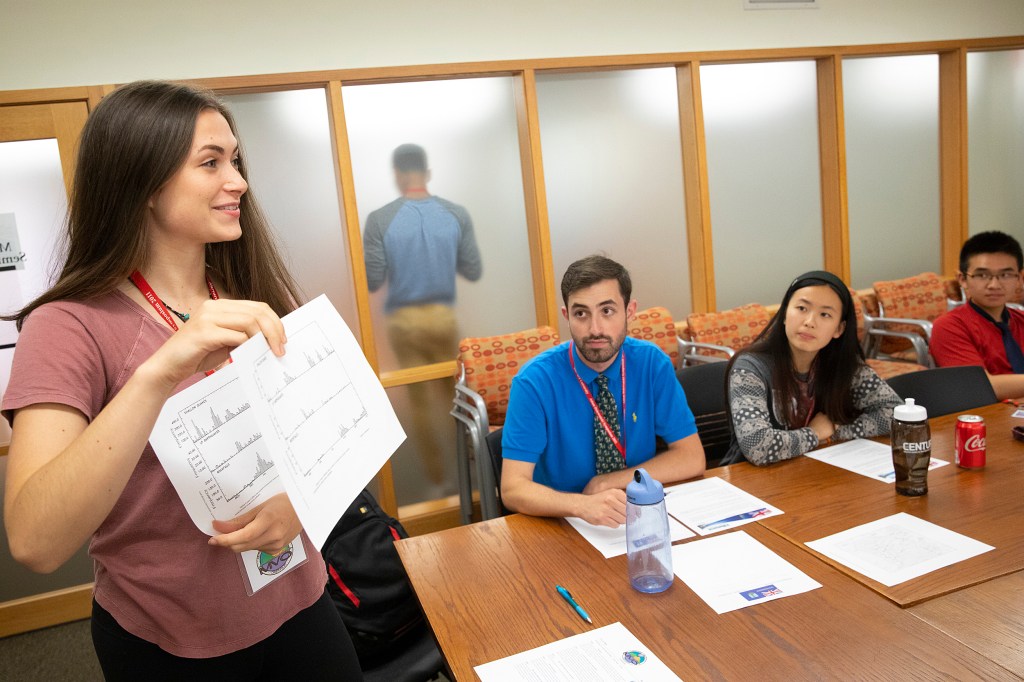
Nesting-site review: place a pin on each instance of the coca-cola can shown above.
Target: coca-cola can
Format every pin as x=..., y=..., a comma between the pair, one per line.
x=970, y=441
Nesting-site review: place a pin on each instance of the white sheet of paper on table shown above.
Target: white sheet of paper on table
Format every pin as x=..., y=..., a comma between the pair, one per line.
x=612, y=541
x=733, y=571
x=865, y=457
x=898, y=548
x=315, y=423
x=608, y=654
x=713, y=504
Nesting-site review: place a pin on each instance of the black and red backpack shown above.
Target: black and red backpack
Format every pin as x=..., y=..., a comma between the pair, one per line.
x=368, y=583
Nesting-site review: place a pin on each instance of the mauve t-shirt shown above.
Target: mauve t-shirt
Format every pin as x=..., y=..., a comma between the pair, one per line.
x=155, y=572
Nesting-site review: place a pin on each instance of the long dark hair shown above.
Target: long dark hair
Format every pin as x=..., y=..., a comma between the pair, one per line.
x=834, y=366
x=132, y=143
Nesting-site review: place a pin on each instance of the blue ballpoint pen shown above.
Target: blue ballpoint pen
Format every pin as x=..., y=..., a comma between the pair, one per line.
x=572, y=602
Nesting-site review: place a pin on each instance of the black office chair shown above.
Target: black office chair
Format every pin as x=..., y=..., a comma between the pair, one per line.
x=704, y=386
x=946, y=390
x=493, y=440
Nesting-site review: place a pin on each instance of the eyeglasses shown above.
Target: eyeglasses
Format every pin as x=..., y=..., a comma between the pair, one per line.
x=985, y=276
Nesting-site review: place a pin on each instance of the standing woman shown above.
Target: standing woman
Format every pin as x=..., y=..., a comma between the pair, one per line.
x=169, y=265
x=804, y=382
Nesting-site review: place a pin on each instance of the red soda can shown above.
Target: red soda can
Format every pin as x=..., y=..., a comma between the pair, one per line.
x=970, y=441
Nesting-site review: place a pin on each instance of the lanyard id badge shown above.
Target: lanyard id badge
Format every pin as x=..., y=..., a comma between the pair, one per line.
x=259, y=569
x=620, y=445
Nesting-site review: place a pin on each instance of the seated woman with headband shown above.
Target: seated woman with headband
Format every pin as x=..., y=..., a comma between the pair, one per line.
x=804, y=382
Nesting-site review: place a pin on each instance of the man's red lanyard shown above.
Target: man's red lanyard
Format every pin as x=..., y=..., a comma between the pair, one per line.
x=619, y=444
x=147, y=292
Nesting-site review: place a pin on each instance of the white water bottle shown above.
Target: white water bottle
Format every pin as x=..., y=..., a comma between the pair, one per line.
x=648, y=544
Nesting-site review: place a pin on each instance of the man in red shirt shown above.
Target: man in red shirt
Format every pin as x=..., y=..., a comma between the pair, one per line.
x=986, y=331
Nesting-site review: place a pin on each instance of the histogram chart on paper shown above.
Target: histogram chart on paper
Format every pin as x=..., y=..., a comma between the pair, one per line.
x=314, y=406
x=224, y=448
x=313, y=423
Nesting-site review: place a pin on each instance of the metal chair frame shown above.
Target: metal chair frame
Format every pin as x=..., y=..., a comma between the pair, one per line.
x=470, y=410
x=688, y=355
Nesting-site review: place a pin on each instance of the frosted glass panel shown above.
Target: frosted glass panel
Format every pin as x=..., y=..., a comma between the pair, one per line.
x=995, y=118
x=892, y=166
x=286, y=140
x=468, y=130
x=761, y=125
x=424, y=465
x=613, y=169
x=32, y=208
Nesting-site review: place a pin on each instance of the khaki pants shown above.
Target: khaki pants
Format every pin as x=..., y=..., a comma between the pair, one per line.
x=423, y=335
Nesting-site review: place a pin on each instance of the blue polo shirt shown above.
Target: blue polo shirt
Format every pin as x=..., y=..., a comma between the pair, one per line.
x=551, y=424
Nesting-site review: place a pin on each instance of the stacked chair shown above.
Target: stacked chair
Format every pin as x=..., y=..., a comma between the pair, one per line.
x=486, y=366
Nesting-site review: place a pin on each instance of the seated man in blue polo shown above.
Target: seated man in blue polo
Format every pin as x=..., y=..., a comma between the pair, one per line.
x=584, y=414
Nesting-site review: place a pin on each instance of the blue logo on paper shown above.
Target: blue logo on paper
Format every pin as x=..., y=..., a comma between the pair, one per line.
x=633, y=657
x=761, y=592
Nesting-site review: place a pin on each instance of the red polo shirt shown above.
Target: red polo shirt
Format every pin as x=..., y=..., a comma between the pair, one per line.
x=963, y=337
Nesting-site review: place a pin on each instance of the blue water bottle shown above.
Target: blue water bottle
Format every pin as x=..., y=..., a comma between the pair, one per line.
x=648, y=545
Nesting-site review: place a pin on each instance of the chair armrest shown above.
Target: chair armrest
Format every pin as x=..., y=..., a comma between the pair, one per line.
x=918, y=343
x=688, y=352
x=873, y=322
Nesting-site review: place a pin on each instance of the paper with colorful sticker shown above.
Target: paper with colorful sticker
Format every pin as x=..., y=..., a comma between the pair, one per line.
x=608, y=654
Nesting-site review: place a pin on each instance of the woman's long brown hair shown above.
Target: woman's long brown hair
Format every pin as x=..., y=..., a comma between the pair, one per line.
x=132, y=143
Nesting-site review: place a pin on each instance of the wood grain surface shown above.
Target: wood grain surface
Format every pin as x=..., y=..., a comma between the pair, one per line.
x=488, y=591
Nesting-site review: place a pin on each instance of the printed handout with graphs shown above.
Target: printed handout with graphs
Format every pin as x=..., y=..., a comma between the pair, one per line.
x=315, y=423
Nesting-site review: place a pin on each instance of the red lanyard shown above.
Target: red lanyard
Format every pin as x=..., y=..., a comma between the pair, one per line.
x=619, y=445
x=147, y=292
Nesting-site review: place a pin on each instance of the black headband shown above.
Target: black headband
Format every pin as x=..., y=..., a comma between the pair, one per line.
x=824, y=277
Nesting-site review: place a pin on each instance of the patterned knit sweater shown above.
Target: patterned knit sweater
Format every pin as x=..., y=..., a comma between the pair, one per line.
x=760, y=436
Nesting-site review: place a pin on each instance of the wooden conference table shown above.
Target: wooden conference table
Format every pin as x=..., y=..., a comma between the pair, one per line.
x=488, y=589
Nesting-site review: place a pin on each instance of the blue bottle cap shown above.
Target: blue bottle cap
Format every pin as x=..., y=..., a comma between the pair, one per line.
x=644, y=489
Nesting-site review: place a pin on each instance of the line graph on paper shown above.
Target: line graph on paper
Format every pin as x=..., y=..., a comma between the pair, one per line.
x=314, y=406
x=226, y=446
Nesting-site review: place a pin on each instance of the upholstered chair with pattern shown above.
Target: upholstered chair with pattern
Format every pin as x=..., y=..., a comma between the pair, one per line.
x=907, y=308
x=884, y=368
x=717, y=336
x=656, y=325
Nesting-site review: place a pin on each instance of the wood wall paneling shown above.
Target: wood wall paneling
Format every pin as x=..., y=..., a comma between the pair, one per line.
x=44, y=610
x=545, y=301
x=832, y=154
x=953, y=156
x=695, y=188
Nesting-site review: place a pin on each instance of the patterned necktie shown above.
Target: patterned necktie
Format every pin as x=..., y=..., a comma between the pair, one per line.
x=607, y=456
x=1013, y=352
